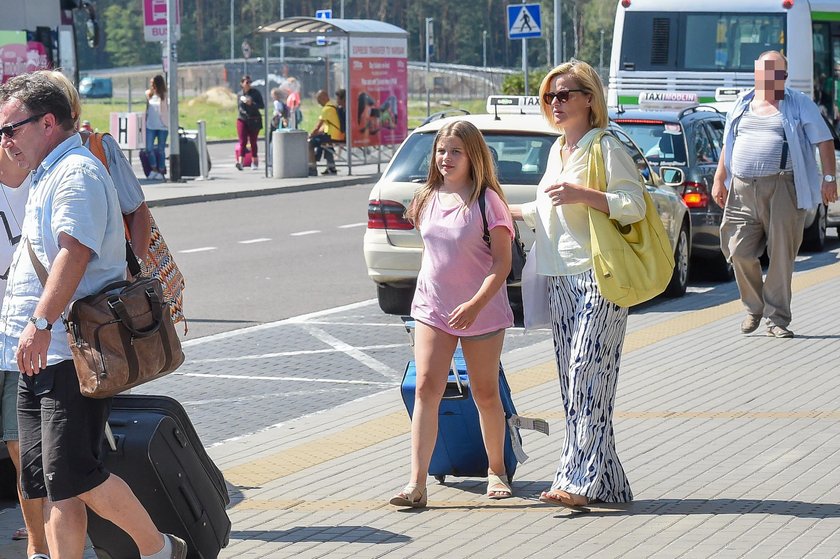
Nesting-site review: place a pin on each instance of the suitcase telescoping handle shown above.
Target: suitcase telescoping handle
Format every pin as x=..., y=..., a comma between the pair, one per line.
x=455, y=390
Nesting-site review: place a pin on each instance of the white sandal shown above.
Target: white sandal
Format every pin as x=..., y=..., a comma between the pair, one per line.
x=495, y=486
x=411, y=496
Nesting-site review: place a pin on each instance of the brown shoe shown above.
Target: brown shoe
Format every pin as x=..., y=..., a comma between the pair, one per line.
x=777, y=331
x=750, y=324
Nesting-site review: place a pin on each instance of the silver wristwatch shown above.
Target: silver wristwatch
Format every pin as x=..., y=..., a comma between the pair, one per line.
x=829, y=178
x=40, y=323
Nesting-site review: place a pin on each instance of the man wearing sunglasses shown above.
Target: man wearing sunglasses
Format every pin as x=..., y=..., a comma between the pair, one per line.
x=73, y=226
x=766, y=181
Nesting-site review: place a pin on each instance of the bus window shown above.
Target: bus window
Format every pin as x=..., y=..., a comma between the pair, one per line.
x=673, y=41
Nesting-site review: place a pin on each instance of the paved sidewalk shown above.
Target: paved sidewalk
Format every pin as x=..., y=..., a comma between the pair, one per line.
x=731, y=443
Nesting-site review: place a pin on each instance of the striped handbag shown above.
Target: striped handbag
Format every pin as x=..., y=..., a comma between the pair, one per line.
x=160, y=264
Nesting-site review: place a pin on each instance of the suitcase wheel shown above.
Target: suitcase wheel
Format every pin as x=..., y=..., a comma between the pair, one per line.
x=440, y=479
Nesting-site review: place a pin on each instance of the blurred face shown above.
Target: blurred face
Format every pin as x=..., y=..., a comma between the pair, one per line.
x=770, y=75
x=26, y=144
x=569, y=103
x=246, y=84
x=452, y=162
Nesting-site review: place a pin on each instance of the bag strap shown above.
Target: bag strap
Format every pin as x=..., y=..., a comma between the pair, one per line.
x=482, y=203
x=97, y=148
x=596, y=174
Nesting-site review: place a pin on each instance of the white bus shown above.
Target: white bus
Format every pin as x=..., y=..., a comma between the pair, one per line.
x=700, y=46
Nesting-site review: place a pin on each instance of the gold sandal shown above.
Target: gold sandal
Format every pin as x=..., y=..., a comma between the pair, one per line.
x=411, y=496
x=497, y=488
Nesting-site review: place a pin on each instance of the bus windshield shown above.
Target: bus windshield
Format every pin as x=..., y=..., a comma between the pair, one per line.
x=724, y=42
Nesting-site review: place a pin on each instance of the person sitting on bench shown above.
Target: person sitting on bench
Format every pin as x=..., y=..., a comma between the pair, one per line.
x=326, y=131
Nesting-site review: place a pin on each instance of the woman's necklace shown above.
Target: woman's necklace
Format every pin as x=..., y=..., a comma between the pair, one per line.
x=570, y=147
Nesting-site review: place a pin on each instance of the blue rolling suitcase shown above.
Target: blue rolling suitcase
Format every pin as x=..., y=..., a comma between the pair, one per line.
x=459, y=450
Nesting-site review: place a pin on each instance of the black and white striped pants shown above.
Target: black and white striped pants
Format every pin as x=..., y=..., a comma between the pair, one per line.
x=588, y=336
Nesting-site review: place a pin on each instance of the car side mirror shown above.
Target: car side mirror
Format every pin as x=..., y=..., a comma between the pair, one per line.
x=672, y=176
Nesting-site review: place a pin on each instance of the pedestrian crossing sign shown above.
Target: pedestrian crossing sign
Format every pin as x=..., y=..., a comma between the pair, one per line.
x=524, y=21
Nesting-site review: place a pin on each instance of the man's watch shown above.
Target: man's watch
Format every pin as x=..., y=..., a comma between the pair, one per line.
x=829, y=178
x=40, y=323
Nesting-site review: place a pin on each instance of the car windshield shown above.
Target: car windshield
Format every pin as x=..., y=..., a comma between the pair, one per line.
x=661, y=142
x=520, y=158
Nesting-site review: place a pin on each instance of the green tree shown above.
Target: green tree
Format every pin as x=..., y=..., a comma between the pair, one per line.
x=123, y=36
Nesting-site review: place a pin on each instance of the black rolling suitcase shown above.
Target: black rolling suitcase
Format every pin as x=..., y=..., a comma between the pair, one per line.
x=160, y=456
x=190, y=165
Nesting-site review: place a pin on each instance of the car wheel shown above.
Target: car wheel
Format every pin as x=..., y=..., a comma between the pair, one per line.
x=813, y=239
x=395, y=300
x=679, y=281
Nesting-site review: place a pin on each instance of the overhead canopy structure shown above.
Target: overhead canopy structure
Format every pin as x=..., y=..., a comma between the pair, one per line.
x=376, y=89
x=301, y=26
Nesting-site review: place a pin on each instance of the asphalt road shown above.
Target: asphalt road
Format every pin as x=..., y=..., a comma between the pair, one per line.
x=254, y=260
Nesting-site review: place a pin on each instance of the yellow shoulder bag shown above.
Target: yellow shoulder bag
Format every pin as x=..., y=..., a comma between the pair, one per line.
x=632, y=263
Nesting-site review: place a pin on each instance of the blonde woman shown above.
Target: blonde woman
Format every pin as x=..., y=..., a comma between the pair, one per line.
x=588, y=330
x=460, y=296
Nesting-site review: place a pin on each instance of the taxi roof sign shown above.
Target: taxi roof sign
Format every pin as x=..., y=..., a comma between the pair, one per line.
x=667, y=99
x=513, y=104
x=729, y=93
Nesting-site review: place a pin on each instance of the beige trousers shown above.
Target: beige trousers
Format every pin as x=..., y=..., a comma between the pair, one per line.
x=761, y=213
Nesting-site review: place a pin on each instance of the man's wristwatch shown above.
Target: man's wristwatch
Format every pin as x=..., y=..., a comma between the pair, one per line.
x=829, y=178
x=40, y=323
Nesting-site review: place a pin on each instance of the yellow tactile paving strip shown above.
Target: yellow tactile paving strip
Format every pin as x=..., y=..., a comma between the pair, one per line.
x=353, y=439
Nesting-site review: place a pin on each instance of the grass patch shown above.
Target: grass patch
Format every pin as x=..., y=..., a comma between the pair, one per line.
x=221, y=121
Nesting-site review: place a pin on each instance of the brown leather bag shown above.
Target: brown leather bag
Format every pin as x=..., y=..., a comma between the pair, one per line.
x=121, y=337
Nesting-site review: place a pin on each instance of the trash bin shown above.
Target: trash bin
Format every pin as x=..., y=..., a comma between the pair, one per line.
x=290, y=154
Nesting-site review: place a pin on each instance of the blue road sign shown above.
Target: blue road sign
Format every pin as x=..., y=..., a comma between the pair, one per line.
x=323, y=14
x=524, y=21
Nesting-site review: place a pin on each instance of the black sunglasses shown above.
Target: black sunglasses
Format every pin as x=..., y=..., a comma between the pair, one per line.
x=9, y=129
x=562, y=96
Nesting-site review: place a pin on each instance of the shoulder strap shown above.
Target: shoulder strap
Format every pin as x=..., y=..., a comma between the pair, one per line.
x=98, y=149
x=596, y=174
x=482, y=203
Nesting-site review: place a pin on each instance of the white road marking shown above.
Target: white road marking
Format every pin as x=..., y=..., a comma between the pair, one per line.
x=252, y=241
x=269, y=325
x=349, y=225
x=202, y=249
x=353, y=352
x=289, y=354
x=295, y=379
x=302, y=233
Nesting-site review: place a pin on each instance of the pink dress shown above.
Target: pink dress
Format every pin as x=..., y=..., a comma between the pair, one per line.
x=456, y=260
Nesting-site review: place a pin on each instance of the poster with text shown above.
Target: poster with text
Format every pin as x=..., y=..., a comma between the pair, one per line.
x=378, y=98
x=19, y=56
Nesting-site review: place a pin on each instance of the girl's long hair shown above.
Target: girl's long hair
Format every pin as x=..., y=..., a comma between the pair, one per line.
x=160, y=86
x=482, y=168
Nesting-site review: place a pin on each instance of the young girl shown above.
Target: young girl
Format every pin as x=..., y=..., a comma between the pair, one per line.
x=460, y=296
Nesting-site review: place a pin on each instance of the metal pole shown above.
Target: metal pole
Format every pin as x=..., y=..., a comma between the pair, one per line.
x=525, y=65
x=172, y=59
x=268, y=113
x=282, y=39
x=601, y=59
x=348, y=122
x=429, y=21
x=484, y=58
x=558, y=48
x=202, y=150
x=342, y=9
x=231, y=30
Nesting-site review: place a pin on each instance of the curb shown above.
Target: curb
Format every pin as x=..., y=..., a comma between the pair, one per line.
x=216, y=196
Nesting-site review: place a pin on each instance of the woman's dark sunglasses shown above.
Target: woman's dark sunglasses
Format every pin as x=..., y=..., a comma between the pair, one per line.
x=562, y=96
x=9, y=129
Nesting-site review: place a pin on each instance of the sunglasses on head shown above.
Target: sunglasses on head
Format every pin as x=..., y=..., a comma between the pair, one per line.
x=562, y=96
x=9, y=130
